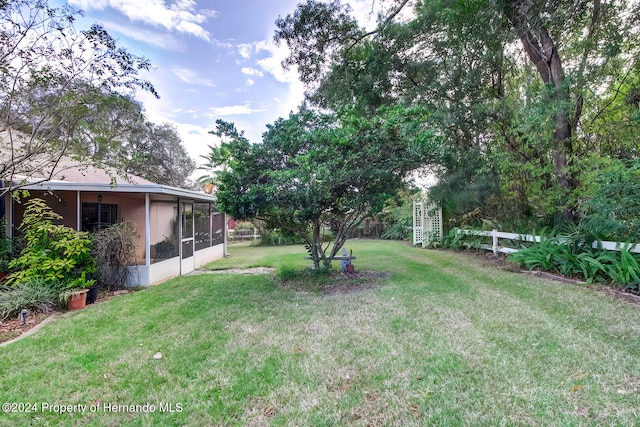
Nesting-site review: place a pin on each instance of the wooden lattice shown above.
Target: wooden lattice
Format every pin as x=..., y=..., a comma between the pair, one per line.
x=427, y=223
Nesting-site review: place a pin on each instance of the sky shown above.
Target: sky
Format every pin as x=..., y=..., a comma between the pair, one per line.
x=213, y=59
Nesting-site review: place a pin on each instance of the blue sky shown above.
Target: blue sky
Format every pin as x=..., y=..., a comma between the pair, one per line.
x=213, y=59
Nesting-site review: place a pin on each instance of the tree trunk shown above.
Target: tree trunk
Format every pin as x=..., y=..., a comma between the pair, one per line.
x=543, y=53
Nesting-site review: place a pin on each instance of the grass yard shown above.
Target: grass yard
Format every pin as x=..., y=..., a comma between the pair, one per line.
x=444, y=340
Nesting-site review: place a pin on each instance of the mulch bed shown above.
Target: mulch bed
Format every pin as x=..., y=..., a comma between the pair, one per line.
x=13, y=327
x=347, y=283
x=335, y=282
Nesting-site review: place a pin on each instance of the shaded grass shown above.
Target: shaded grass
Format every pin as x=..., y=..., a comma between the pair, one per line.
x=444, y=341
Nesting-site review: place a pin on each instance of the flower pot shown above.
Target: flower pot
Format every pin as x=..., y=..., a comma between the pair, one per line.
x=92, y=294
x=78, y=300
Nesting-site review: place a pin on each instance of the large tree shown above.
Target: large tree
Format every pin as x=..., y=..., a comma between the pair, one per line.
x=155, y=152
x=509, y=82
x=49, y=75
x=313, y=172
x=116, y=133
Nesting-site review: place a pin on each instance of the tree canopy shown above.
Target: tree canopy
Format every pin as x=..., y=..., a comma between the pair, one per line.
x=526, y=95
x=67, y=93
x=315, y=171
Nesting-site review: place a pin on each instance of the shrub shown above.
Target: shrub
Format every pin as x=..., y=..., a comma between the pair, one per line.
x=36, y=294
x=167, y=248
x=303, y=278
x=458, y=240
x=52, y=252
x=114, y=249
x=572, y=256
x=611, y=207
x=6, y=249
x=625, y=271
x=278, y=238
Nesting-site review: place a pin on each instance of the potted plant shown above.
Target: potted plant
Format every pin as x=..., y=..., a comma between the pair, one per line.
x=75, y=293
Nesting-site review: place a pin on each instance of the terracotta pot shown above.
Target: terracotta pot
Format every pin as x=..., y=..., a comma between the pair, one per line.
x=78, y=300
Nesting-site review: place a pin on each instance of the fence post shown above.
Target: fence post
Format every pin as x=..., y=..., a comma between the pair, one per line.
x=494, y=235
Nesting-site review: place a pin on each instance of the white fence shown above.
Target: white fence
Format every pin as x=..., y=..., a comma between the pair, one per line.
x=243, y=234
x=497, y=235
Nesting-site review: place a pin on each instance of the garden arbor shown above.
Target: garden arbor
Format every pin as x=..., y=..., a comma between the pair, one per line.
x=427, y=223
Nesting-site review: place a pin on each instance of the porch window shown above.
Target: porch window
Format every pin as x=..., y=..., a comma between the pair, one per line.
x=217, y=227
x=187, y=230
x=164, y=230
x=202, y=217
x=96, y=216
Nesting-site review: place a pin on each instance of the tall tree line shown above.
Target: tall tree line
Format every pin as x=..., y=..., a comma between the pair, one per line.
x=536, y=102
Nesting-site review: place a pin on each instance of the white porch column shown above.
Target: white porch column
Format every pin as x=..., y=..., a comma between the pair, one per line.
x=147, y=230
x=78, y=212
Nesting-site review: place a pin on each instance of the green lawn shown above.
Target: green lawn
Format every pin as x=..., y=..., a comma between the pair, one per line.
x=445, y=340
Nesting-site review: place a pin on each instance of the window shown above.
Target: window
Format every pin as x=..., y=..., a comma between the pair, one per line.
x=96, y=216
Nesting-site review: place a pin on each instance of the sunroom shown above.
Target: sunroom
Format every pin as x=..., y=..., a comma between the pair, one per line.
x=178, y=230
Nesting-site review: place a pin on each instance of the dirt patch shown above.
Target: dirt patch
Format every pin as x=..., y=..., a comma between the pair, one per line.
x=12, y=328
x=331, y=283
x=347, y=283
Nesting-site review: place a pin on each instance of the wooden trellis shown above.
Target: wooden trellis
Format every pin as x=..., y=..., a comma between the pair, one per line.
x=427, y=223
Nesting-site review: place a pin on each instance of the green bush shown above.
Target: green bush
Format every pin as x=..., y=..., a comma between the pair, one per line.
x=6, y=249
x=610, y=209
x=278, y=238
x=303, y=278
x=572, y=256
x=457, y=240
x=625, y=272
x=52, y=252
x=36, y=295
x=286, y=272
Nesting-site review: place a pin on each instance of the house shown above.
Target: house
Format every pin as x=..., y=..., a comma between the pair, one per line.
x=179, y=230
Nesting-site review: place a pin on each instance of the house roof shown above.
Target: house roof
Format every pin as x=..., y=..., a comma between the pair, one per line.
x=88, y=178
x=71, y=175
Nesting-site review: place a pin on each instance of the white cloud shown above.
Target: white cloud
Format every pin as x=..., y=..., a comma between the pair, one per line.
x=181, y=17
x=191, y=77
x=233, y=110
x=273, y=63
x=222, y=45
x=154, y=38
x=245, y=49
x=273, y=66
x=250, y=82
x=367, y=12
x=252, y=72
